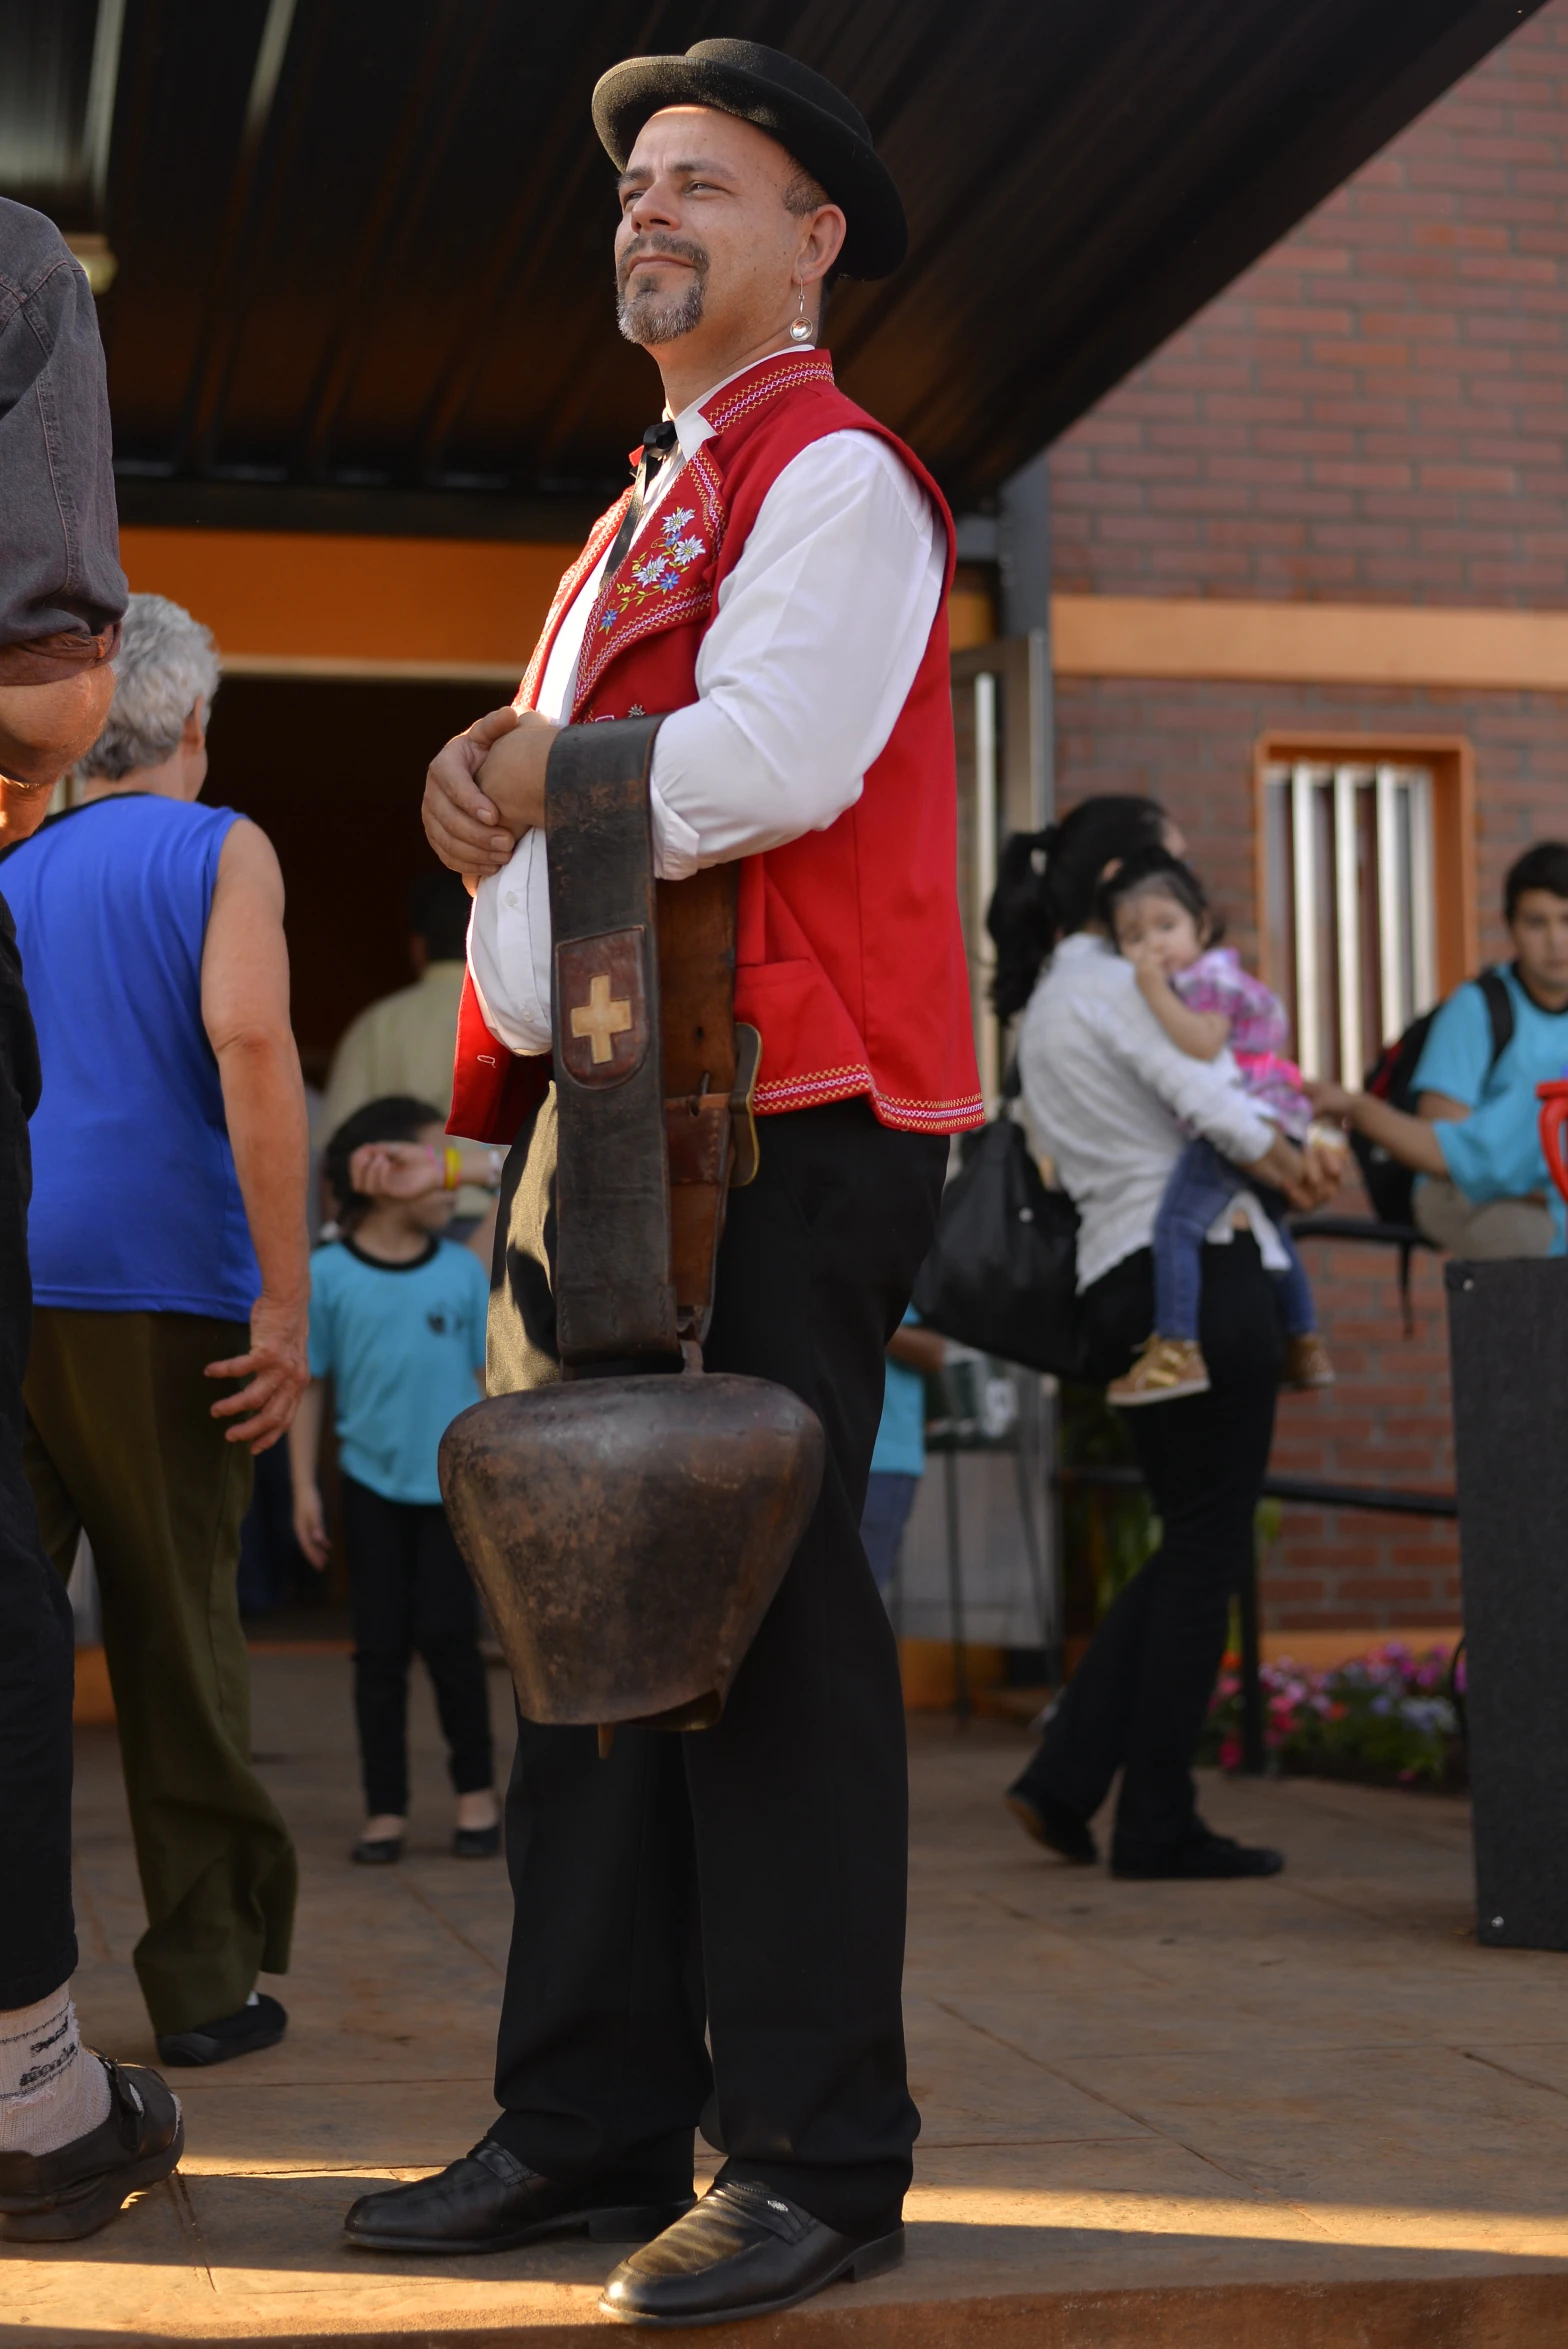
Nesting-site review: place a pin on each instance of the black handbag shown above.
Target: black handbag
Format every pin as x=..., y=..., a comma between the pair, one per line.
x=1002, y=1274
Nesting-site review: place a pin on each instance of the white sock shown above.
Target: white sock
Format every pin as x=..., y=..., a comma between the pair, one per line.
x=52, y=2089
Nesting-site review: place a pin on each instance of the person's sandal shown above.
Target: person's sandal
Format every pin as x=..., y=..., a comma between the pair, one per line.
x=1167, y=1369
x=57, y=2197
x=1307, y=1363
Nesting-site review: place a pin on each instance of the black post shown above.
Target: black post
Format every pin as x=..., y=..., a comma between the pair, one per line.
x=1253, y=1757
x=963, y=1703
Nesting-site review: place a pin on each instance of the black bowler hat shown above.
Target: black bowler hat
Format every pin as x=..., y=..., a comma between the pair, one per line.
x=805, y=113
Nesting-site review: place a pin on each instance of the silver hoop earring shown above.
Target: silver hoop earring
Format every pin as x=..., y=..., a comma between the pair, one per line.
x=801, y=329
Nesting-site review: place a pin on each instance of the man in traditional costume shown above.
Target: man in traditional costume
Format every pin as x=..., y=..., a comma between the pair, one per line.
x=775, y=581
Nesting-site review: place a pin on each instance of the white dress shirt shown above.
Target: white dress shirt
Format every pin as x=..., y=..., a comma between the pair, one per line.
x=809, y=658
x=1114, y=1102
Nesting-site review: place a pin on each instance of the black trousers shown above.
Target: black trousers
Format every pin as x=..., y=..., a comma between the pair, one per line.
x=750, y=1877
x=1137, y=1701
x=37, y=1638
x=412, y=1596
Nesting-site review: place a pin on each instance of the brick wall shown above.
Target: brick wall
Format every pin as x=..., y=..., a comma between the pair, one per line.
x=1387, y=1422
x=1376, y=410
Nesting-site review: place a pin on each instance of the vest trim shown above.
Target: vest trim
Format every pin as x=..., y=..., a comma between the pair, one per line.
x=855, y=1078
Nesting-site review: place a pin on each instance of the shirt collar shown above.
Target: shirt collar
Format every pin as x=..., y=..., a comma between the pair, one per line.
x=692, y=427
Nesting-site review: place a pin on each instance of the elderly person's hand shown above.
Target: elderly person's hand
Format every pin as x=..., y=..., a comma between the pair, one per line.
x=485, y=789
x=275, y=1370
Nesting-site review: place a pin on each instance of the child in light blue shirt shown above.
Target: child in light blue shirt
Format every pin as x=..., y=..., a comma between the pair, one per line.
x=397, y=1322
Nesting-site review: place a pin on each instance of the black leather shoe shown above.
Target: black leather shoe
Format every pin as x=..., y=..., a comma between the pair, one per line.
x=1202, y=1855
x=54, y=2197
x=744, y=2250
x=260, y=2023
x=1040, y=1814
x=490, y=2201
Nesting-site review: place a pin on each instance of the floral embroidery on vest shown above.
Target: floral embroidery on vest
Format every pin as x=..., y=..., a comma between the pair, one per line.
x=658, y=572
x=665, y=578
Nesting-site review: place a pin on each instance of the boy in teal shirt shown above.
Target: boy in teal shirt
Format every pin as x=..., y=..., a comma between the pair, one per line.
x=1484, y=1190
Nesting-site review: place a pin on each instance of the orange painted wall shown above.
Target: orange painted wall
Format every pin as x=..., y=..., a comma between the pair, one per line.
x=460, y=605
x=300, y=595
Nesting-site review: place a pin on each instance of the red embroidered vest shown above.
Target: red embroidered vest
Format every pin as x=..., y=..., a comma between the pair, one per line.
x=849, y=955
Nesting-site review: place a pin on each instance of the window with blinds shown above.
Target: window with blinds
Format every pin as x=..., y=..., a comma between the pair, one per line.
x=1350, y=904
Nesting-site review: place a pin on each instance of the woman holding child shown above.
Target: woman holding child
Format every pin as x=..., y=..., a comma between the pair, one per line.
x=1161, y=1140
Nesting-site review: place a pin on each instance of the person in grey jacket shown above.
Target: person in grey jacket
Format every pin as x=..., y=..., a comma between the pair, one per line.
x=78, y=2133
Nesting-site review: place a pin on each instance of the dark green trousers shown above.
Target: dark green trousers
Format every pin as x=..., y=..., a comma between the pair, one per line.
x=120, y=1440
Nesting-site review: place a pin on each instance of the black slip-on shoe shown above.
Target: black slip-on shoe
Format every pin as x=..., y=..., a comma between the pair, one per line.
x=54, y=2197
x=377, y=1851
x=743, y=2250
x=1050, y=1822
x=476, y=1843
x=260, y=2023
x=1214, y=1857
x=491, y=2201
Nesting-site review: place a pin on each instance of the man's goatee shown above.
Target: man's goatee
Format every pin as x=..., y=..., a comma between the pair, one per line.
x=652, y=318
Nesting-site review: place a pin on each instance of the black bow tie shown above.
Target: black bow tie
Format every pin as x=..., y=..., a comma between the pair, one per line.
x=658, y=444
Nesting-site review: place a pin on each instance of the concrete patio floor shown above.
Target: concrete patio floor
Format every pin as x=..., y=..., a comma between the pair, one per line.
x=1303, y=2114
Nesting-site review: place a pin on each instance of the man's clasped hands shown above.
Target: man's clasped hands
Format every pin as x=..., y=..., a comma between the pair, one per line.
x=485, y=789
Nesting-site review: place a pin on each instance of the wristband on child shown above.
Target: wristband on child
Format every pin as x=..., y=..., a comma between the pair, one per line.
x=452, y=1165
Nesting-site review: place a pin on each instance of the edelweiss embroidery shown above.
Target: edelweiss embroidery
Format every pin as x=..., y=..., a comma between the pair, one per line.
x=660, y=571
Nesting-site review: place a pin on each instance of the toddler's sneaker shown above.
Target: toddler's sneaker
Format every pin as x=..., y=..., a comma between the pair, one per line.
x=1307, y=1362
x=1167, y=1369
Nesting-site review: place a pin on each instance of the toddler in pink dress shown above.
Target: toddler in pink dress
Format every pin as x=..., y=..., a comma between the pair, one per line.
x=1156, y=911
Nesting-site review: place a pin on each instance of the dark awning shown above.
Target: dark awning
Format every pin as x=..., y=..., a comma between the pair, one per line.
x=365, y=249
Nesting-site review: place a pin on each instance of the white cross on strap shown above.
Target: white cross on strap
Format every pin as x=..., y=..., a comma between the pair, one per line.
x=600, y=1018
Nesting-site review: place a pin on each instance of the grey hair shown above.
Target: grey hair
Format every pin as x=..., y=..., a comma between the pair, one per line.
x=166, y=664
x=804, y=194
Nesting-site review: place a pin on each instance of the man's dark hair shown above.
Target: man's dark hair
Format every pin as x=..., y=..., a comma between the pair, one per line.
x=1048, y=881
x=396, y=1117
x=438, y=911
x=1155, y=869
x=1545, y=866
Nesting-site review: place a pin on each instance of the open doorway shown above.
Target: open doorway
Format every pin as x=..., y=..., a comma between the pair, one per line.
x=332, y=769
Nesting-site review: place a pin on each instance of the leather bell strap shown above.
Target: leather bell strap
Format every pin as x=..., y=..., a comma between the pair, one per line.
x=653, y=1078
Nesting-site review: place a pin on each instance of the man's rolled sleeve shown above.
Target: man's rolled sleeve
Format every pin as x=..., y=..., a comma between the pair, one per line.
x=1496, y=1152
x=1458, y=1049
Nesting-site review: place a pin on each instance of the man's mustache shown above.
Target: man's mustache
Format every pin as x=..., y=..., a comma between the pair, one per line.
x=656, y=241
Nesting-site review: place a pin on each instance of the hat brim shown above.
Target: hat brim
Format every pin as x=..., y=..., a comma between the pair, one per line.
x=877, y=235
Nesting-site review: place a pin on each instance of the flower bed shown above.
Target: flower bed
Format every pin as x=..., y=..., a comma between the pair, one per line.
x=1389, y=1719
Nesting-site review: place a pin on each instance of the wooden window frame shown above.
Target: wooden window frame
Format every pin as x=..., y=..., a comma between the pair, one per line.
x=1450, y=759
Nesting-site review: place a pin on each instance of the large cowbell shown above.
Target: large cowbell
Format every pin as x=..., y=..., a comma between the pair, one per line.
x=630, y=1526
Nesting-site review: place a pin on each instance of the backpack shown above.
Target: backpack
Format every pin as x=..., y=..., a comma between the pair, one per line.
x=1390, y=1186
